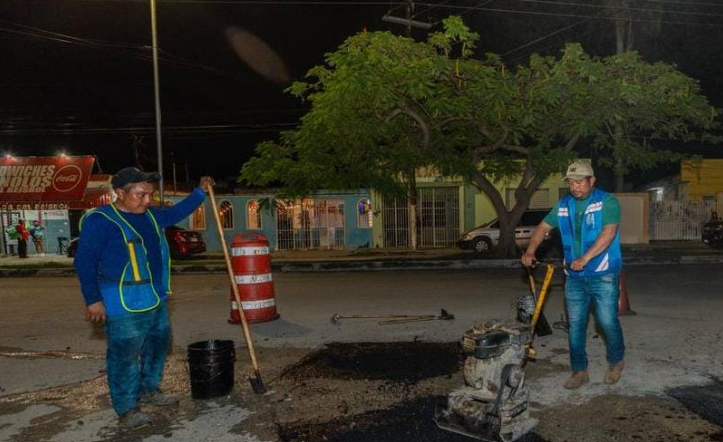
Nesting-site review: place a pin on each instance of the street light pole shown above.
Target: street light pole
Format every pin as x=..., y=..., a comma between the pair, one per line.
x=157, y=97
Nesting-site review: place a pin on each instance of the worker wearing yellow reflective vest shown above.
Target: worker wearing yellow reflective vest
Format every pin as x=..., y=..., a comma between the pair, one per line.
x=123, y=265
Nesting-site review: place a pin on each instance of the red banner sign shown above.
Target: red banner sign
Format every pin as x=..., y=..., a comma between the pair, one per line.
x=44, y=179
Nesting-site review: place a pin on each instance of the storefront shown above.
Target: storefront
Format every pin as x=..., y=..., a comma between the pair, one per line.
x=52, y=190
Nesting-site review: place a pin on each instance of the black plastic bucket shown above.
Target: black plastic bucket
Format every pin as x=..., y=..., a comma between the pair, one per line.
x=210, y=365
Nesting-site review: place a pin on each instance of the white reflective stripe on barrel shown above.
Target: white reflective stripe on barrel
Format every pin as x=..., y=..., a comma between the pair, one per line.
x=254, y=305
x=249, y=251
x=253, y=279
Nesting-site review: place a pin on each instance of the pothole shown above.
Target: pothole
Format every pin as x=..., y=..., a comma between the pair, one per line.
x=409, y=421
x=408, y=362
x=706, y=401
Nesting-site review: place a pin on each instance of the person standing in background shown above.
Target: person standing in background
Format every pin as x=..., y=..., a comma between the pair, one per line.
x=38, y=234
x=22, y=239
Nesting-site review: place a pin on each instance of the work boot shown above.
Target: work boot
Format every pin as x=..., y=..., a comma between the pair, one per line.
x=158, y=399
x=135, y=418
x=614, y=373
x=576, y=380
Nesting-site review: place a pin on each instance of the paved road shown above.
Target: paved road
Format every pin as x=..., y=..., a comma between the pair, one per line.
x=673, y=341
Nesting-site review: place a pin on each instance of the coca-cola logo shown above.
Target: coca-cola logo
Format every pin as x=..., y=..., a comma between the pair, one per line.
x=67, y=178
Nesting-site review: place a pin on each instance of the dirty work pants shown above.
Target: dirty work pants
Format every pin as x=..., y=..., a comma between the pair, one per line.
x=136, y=354
x=600, y=293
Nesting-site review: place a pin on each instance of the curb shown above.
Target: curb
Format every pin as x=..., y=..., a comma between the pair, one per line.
x=378, y=265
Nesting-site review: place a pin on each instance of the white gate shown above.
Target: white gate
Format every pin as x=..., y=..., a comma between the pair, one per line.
x=310, y=224
x=679, y=220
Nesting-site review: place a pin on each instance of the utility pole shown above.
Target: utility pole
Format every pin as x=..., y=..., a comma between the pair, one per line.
x=409, y=11
x=157, y=96
x=407, y=20
x=623, y=43
x=410, y=176
x=173, y=161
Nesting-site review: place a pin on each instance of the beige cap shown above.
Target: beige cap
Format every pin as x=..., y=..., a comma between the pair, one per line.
x=579, y=170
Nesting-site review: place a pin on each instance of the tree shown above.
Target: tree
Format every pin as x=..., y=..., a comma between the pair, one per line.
x=384, y=106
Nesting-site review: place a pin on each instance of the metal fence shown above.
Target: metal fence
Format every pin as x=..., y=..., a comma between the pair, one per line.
x=395, y=222
x=437, y=218
x=310, y=224
x=678, y=220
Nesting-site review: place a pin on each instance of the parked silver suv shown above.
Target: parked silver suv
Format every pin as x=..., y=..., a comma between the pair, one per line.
x=484, y=238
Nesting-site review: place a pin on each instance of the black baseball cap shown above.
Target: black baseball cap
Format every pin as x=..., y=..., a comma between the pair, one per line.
x=133, y=175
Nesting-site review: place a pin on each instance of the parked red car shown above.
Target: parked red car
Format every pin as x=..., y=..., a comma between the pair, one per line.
x=184, y=243
x=181, y=242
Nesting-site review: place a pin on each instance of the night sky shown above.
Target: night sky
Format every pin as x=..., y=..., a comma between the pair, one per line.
x=76, y=75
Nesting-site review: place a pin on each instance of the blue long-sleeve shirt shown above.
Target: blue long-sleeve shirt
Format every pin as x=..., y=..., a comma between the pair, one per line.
x=102, y=251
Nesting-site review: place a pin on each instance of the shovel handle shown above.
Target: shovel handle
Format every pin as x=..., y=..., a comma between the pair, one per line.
x=232, y=278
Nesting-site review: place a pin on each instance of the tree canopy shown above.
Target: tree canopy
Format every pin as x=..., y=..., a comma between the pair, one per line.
x=383, y=106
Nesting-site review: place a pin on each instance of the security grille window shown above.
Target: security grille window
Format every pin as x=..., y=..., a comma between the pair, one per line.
x=253, y=216
x=365, y=217
x=395, y=220
x=310, y=224
x=225, y=210
x=437, y=218
x=198, y=218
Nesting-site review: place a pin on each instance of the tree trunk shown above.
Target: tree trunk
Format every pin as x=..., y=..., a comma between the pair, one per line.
x=508, y=220
x=412, y=196
x=506, y=247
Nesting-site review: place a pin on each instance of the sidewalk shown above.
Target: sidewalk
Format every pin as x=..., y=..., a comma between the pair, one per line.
x=658, y=253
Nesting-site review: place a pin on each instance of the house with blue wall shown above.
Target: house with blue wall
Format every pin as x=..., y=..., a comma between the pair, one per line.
x=324, y=220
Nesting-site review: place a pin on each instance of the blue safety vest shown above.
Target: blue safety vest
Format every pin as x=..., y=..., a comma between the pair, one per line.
x=134, y=291
x=610, y=260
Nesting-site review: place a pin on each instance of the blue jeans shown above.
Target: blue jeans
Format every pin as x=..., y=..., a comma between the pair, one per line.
x=136, y=355
x=603, y=293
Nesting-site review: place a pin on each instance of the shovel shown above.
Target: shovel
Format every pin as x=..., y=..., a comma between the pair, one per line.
x=255, y=378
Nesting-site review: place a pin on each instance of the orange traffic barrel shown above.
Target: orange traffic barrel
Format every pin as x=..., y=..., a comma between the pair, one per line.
x=624, y=308
x=251, y=263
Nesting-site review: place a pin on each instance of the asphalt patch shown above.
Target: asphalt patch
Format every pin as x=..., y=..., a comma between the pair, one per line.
x=706, y=401
x=409, y=421
x=408, y=362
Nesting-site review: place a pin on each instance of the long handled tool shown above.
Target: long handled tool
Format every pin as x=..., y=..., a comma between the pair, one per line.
x=336, y=318
x=540, y=303
x=255, y=379
x=443, y=316
x=542, y=328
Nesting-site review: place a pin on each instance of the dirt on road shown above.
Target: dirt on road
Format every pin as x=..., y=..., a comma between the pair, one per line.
x=368, y=392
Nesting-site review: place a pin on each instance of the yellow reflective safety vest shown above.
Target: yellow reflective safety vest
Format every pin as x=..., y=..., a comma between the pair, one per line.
x=134, y=291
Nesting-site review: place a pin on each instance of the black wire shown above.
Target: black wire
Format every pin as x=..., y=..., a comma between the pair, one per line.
x=588, y=5
x=546, y=36
x=553, y=14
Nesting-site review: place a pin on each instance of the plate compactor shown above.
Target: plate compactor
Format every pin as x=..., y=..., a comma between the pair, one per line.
x=493, y=405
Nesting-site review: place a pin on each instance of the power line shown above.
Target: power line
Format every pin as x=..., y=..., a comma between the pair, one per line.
x=313, y=2
x=239, y=2
x=551, y=34
x=678, y=2
x=557, y=14
x=100, y=44
x=170, y=130
x=587, y=5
